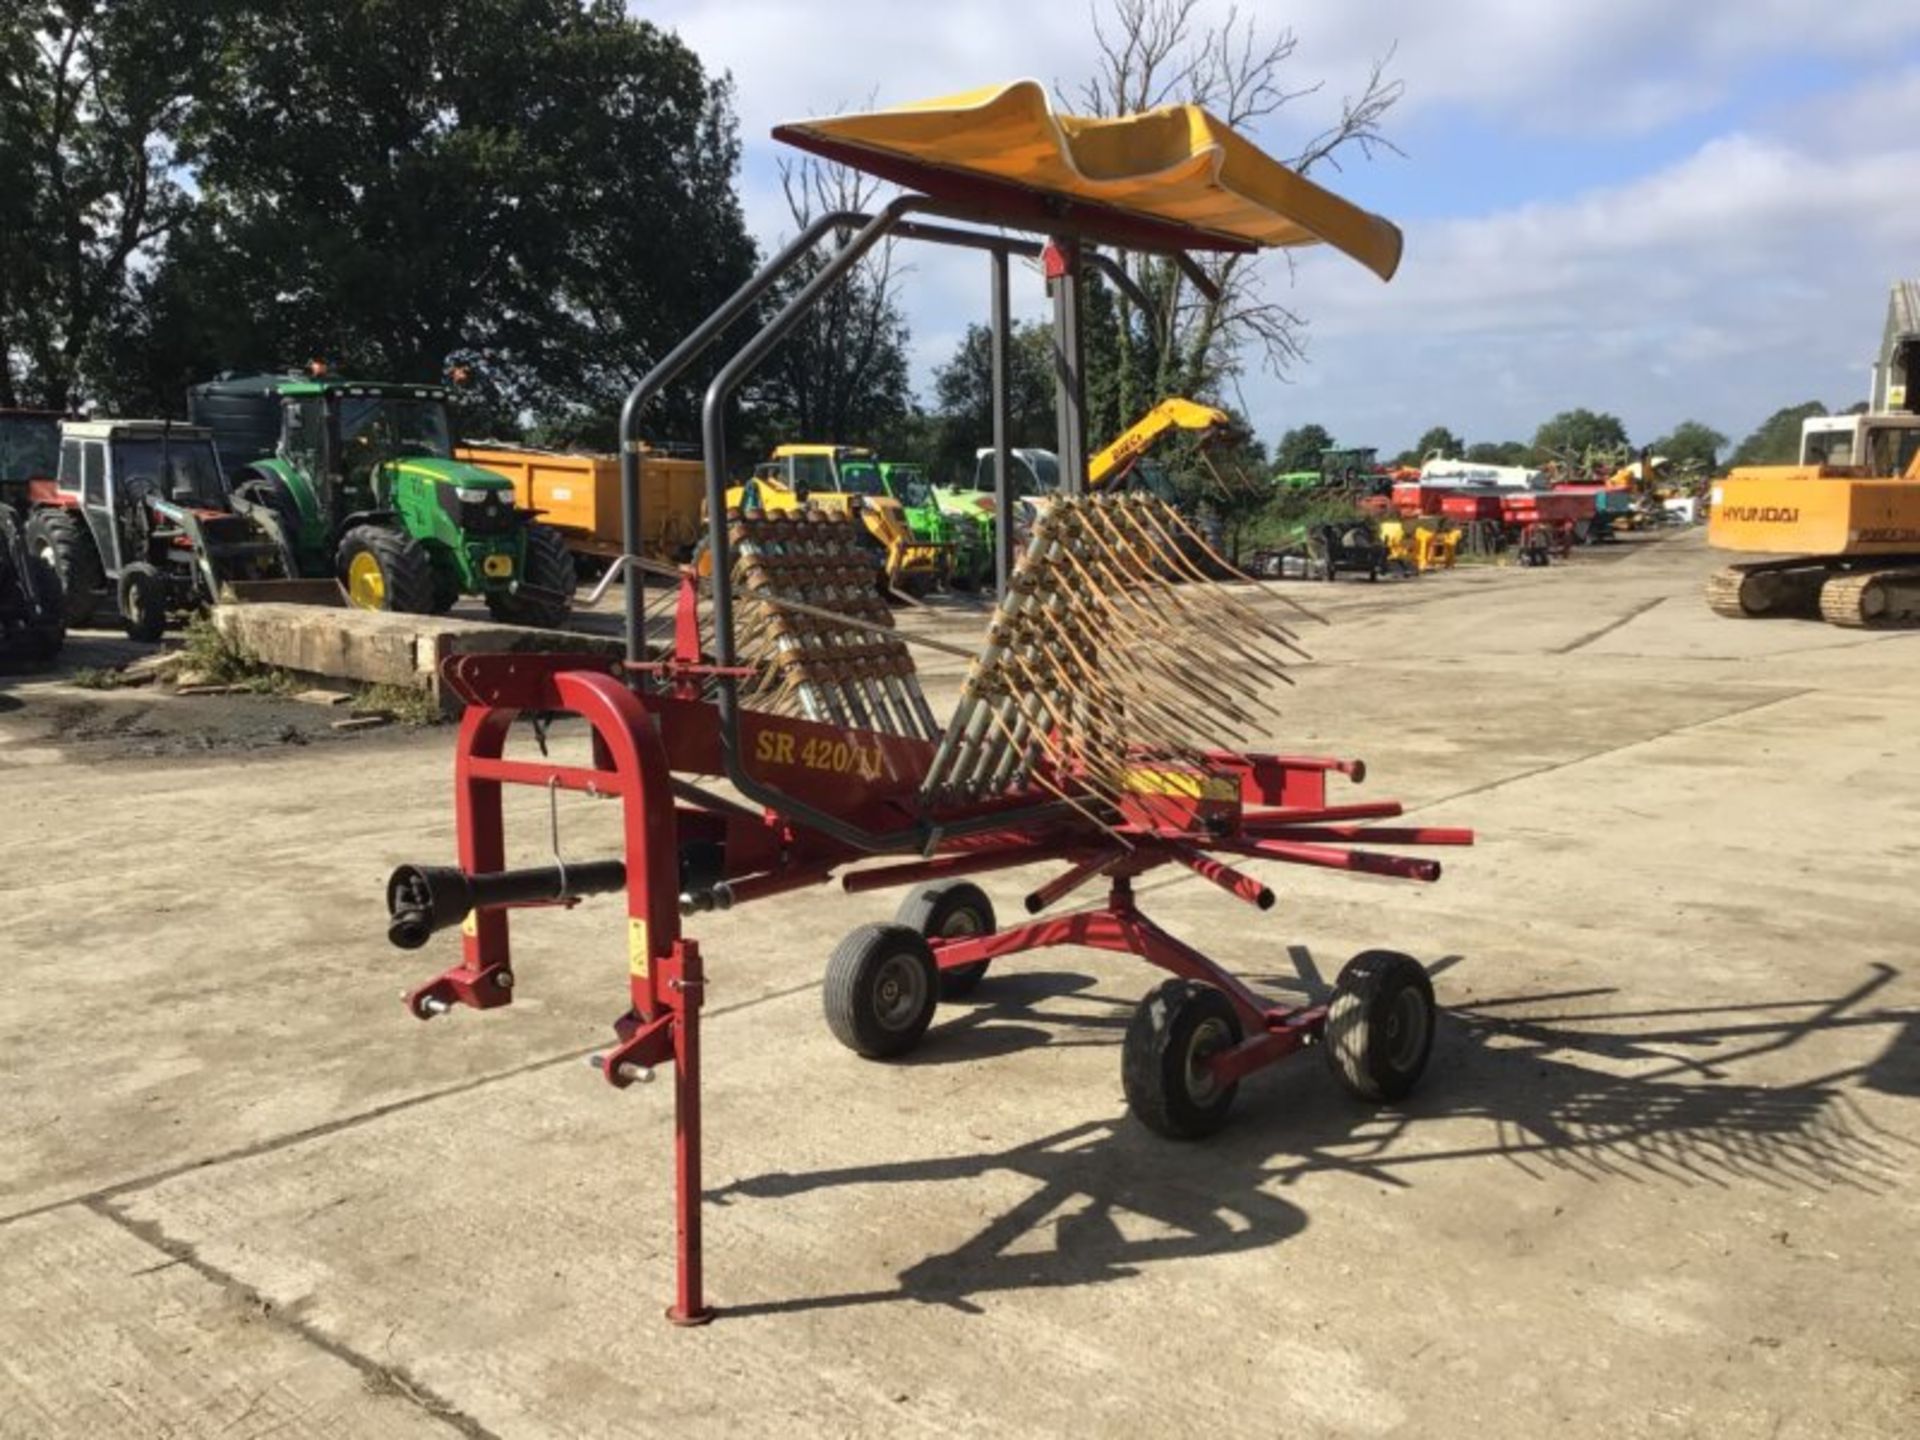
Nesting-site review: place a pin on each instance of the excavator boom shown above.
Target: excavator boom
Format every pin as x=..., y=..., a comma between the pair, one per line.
x=1172, y=413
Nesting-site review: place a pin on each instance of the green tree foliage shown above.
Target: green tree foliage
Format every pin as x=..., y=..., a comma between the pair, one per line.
x=1300, y=449
x=1692, y=446
x=541, y=187
x=93, y=101
x=1498, y=452
x=1439, y=440
x=1777, y=441
x=963, y=395
x=1571, y=434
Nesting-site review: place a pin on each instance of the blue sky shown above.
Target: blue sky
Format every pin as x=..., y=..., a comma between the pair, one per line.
x=1667, y=211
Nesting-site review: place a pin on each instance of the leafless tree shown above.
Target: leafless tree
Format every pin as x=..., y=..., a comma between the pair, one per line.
x=1160, y=52
x=843, y=370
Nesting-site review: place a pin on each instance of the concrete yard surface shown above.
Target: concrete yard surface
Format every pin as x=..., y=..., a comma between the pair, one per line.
x=1659, y=1180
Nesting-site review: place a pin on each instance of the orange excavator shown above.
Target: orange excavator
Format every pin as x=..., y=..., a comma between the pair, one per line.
x=1845, y=523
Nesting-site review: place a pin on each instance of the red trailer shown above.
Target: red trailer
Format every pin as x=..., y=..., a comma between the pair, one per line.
x=1413, y=499
x=1467, y=507
x=1546, y=519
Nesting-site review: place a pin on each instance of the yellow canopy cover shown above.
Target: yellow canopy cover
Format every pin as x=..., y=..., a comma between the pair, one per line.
x=1176, y=168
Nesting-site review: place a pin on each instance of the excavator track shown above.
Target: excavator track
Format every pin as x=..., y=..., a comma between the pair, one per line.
x=1873, y=599
x=1768, y=588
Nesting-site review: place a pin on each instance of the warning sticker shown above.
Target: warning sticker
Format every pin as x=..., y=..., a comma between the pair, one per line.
x=636, y=947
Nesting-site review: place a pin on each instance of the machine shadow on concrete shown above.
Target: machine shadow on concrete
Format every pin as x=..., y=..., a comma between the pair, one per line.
x=1606, y=1096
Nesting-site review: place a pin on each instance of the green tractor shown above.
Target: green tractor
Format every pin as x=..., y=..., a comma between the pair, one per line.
x=969, y=553
x=363, y=479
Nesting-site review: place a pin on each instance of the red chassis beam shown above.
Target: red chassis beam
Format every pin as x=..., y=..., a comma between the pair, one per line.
x=639, y=745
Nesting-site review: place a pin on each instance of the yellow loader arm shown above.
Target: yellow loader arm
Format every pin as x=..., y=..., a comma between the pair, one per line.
x=1172, y=413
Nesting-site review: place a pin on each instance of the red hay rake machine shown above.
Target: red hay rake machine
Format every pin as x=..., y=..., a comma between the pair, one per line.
x=1104, y=725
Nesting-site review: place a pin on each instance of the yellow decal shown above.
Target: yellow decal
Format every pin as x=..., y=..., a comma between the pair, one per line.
x=636, y=947
x=470, y=925
x=1184, y=783
x=835, y=757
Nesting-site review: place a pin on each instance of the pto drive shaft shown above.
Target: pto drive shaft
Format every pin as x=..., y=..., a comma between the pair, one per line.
x=422, y=899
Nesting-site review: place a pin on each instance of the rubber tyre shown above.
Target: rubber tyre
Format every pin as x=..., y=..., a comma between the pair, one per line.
x=882, y=986
x=1178, y=1024
x=44, y=640
x=446, y=588
x=544, y=595
x=406, y=575
x=1380, y=1025
x=271, y=493
x=143, y=602
x=958, y=907
x=61, y=537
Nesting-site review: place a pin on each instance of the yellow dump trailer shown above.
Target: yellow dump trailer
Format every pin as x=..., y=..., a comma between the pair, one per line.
x=579, y=495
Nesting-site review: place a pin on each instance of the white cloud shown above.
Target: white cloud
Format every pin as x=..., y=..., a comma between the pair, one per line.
x=1746, y=275
x=1749, y=275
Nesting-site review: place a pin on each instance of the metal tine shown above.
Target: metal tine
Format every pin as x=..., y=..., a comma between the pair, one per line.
x=1148, y=655
x=1154, y=626
x=1150, y=512
x=1156, y=648
x=1201, y=623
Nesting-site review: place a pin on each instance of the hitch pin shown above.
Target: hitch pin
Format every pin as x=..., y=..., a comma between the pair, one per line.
x=636, y=1074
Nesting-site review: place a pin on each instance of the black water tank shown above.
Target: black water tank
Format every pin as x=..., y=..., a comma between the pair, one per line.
x=243, y=411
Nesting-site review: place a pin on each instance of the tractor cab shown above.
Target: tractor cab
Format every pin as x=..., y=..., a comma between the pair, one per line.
x=355, y=434
x=139, y=510
x=1033, y=472
x=862, y=477
x=129, y=477
x=29, y=452
x=1861, y=445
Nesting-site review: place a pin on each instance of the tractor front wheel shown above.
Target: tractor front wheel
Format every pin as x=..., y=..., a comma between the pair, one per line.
x=385, y=569
x=143, y=602
x=270, y=493
x=61, y=538
x=47, y=634
x=543, y=595
x=446, y=588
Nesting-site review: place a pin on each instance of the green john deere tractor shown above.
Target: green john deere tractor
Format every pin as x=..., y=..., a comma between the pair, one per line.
x=361, y=475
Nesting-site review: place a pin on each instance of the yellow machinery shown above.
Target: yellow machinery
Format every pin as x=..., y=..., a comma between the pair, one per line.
x=1424, y=548
x=1173, y=413
x=844, y=480
x=579, y=495
x=1848, y=515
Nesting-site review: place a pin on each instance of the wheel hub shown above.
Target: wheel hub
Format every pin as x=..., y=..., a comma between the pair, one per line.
x=897, y=993
x=1210, y=1037
x=366, y=586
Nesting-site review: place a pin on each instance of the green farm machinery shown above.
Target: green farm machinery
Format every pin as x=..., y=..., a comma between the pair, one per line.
x=362, y=476
x=966, y=535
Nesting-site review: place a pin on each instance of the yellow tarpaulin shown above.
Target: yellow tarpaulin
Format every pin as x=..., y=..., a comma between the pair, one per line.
x=1176, y=166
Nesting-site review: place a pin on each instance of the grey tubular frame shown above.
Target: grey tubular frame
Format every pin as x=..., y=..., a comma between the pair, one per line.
x=867, y=231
